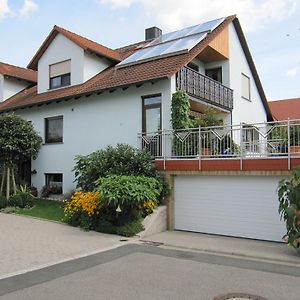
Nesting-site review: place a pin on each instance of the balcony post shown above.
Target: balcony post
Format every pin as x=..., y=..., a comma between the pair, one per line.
x=241, y=146
x=200, y=149
x=289, y=144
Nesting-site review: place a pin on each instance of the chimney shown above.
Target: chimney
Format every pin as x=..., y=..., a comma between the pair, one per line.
x=152, y=33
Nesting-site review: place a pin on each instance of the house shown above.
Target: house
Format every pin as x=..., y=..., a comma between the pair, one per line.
x=15, y=79
x=89, y=96
x=285, y=109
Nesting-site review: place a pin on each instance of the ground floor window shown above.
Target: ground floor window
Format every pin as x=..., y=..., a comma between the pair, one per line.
x=54, y=183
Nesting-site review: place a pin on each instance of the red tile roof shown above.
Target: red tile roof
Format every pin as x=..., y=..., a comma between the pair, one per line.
x=285, y=109
x=115, y=77
x=18, y=72
x=81, y=41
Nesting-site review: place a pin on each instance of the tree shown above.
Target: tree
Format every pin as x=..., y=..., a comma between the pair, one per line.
x=18, y=143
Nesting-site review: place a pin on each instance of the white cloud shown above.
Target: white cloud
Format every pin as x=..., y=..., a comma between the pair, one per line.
x=29, y=6
x=118, y=3
x=173, y=14
x=293, y=72
x=4, y=9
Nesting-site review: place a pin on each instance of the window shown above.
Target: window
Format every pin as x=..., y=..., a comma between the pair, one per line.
x=215, y=74
x=60, y=74
x=245, y=87
x=152, y=124
x=54, y=182
x=151, y=113
x=54, y=130
x=193, y=66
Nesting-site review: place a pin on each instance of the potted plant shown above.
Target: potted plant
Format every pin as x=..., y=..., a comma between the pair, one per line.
x=289, y=208
x=209, y=118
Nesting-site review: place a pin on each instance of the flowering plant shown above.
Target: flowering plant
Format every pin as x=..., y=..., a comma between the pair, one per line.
x=82, y=209
x=148, y=206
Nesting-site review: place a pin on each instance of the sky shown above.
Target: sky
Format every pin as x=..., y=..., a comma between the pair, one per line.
x=272, y=29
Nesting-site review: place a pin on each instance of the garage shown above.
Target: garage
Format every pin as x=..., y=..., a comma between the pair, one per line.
x=240, y=206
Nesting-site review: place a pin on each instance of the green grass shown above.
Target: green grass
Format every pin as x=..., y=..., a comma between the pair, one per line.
x=45, y=209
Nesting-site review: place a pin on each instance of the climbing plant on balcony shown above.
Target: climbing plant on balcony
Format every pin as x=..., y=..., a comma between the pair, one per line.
x=180, y=110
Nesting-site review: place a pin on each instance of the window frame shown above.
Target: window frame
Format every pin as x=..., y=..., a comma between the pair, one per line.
x=193, y=66
x=150, y=106
x=218, y=69
x=47, y=140
x=51, y=87
x=48, y=185
x=249, y=87
x=61, y=76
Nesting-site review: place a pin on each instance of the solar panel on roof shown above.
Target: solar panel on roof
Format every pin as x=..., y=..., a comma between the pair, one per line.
x=177, y=41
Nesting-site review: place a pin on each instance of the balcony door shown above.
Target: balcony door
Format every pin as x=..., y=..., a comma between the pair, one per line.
x=152, y=124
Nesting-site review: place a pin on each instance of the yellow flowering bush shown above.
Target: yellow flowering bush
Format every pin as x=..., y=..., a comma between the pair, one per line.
x=82, y=209
x=148, y=206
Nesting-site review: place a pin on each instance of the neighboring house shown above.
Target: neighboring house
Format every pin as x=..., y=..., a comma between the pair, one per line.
x=285, y=109
x=15, y=79
x=89, y=96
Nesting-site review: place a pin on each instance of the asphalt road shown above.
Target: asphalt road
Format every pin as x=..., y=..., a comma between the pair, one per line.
x=149, y=272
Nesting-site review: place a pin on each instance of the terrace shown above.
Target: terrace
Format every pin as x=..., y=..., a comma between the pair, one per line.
x=271, y=146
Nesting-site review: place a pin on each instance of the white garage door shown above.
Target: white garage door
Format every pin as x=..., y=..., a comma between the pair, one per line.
x=242, y=206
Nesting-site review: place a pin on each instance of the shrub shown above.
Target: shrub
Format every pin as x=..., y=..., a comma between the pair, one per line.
x=129, y=229
x=124, y=197
x=289, y=207
x=3, y=201
x=21, y=199
x=127, y=191
x=121, y=160
x=82, y=209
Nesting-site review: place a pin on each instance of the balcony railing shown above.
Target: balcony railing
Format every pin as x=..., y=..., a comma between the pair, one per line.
x=259, y=140
x=204, y=88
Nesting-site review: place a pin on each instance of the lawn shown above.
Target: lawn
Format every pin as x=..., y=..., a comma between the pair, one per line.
x=45, y=209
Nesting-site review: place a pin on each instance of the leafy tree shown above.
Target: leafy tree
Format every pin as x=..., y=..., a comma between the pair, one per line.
x=18, y=143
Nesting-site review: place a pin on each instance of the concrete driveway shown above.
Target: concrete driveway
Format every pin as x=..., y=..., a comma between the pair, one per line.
x=27, y=243
x=222, y=245
x=146, y=272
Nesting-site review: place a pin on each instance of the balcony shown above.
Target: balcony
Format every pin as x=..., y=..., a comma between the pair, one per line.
x=204, y=88
x=275, y=144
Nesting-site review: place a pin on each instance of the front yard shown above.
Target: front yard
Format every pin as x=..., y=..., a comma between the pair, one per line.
x=44, y=209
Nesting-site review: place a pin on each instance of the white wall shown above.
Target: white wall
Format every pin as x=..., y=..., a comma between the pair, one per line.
x=59, y=50
x=243, y=110
x=12, y=86
x=93, y=65
x=90, y=124
x=83, y=65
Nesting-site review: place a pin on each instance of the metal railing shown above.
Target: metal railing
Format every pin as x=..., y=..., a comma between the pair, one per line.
x=204, y=88
x=259, y=140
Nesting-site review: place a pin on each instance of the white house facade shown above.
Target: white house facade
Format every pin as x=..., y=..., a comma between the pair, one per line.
x=88, y=96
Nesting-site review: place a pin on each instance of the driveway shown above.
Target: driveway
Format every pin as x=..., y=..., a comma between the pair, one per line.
x=147, y=272
x=259, y=250
x=27, y=243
